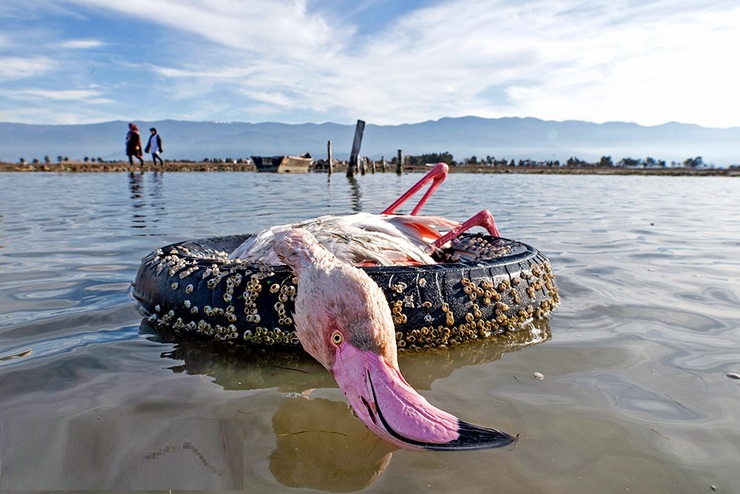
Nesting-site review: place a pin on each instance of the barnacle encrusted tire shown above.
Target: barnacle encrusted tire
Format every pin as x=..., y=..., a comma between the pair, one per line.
x=484, y=286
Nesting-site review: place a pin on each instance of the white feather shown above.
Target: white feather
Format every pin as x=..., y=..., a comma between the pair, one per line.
x=361, y=238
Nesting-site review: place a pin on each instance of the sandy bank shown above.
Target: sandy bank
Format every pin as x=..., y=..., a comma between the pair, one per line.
x=201, y=166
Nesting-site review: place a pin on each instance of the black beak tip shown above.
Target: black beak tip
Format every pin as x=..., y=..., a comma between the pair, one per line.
x=472, y=437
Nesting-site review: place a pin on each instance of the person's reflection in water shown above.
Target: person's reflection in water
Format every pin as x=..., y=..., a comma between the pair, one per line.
x=136, y=185
x=143, y=201
x=156, y=195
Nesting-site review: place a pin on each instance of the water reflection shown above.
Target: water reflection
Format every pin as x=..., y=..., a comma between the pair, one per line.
x=157, y=195
x=135, y=181
x=356, y=194
x=320, y=444
x=246, y=367
x=54, y=346
x=136, y=186
x=142, y=202
x=635, y=394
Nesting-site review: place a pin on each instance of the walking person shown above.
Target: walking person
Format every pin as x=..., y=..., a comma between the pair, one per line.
x=154, y=146
x=133, y=144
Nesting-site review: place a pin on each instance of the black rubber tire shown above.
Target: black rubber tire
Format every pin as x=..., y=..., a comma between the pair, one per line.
x=192, y=287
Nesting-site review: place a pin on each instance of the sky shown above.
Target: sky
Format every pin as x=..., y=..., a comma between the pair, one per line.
x=387, y=62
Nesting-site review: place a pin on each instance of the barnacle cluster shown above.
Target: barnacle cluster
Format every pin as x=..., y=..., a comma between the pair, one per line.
x=238, y=302
x=490, y=305
x=238, y=296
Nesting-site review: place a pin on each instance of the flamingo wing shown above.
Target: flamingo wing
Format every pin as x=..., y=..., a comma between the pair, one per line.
x=360, y=239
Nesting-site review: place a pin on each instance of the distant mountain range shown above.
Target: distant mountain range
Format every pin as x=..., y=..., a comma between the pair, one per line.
x=509, y=138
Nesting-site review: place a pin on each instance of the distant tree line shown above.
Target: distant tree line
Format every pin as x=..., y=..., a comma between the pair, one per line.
x=572, y=162
x=60, y=159
x=423, y=159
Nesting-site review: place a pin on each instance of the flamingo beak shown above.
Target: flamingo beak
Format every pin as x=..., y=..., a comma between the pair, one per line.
x=389, y=407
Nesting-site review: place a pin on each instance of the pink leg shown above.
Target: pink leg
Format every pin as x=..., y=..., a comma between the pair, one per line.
x=484, y=219
x=436, y=175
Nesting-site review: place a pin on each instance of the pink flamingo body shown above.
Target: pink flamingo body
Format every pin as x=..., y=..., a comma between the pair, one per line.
x=343, y=320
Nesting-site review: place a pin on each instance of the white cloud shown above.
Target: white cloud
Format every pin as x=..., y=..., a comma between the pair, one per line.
x=81, y=44
x=277, y=28
x=80, y=95
x=21, y=67
x=648, y=64
x=647, y=61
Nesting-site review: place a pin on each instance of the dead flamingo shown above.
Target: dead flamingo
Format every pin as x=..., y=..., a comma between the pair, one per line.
x=343, y=320
x=384, y=239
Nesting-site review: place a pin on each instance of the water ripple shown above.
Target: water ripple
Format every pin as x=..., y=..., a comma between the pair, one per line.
x=634, y=363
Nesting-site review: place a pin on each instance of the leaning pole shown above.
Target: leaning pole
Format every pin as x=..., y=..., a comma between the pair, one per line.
x=359, y=129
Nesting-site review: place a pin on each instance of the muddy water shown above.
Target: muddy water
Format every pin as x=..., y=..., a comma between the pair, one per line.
x=635, y=396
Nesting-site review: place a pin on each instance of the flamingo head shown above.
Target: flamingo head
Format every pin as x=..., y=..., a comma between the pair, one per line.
x=343, y=320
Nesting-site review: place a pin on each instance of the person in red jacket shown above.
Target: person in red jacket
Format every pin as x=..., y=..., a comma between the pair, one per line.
x=133, y=144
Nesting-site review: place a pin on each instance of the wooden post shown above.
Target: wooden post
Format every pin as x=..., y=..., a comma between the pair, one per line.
x=399, y=166
x=373, y=167
x=328, y=152
x=359, y=129
x=363, y=166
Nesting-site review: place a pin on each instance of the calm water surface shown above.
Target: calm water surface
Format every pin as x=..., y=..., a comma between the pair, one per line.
x=635, y=397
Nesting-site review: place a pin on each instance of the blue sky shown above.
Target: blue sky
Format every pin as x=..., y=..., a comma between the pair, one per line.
x=384, y=61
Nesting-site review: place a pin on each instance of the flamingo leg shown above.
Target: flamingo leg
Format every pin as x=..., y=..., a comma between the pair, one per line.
x=483, y=219
x=436, y=176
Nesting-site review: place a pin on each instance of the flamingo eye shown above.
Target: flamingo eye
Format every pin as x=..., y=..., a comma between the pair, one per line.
x=337, y=338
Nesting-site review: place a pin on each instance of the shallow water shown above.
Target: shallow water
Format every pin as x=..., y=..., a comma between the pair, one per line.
x=635, y=395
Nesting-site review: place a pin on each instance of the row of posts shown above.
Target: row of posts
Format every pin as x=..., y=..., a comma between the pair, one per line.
x=353, y=157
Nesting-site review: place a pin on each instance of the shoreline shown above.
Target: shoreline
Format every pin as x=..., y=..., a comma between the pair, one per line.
x=202, y=166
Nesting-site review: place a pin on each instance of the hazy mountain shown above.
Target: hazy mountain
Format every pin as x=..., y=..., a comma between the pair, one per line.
x=510, y=138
